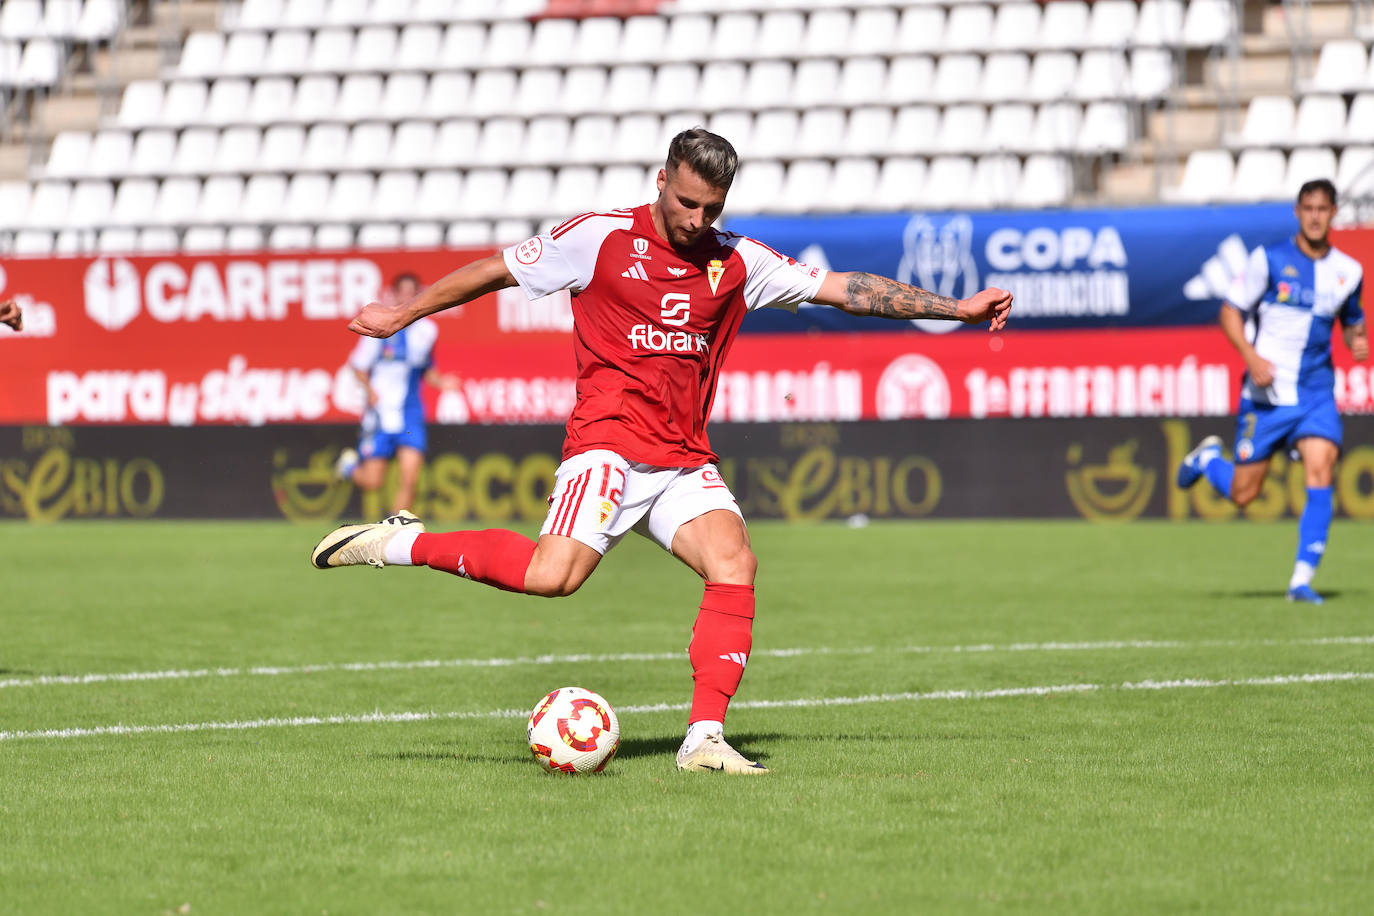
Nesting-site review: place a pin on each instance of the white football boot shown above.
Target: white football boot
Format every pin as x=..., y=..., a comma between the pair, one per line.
x=356, y=545
x=715, y=755
x=347, y=461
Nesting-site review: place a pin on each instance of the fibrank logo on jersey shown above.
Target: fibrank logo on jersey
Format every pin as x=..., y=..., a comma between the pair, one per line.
x=674, y=309
x=180, y=290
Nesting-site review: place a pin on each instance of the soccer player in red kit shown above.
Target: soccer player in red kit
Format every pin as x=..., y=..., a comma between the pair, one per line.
x=657, y=297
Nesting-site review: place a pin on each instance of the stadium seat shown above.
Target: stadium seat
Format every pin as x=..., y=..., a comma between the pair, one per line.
x=1259, y=175
x=1268, y=121
x=1056, y=126
x=178, y=201
x=868, y=132
x=331, y=51
x=546, y=139
x=920, y=30
x=757, y=187
x=369, y=146
x=14, y=203
x=228, y=100
x=153, y=151
x=853, y=186
x=583, y=91
x=1111, y=23
x=1063, y=26
x=271, y=100
x=1341, y=67
x=202, y=239
x=111, y=151
x=961, y=129
x=379, y=235
x=948, y=182
x=360, y=96
x=492, y=91
x=537, y=91
x=1009, y=127
x=628, y=88
x=243, y=54
x=304, y=13
x=315, y=98
x=283, y=147
x=195, y=151
x=781, y=33
x=1208, y=23
x=805, y=186
x=70, y=154
x=40, y=65
x=404, y=95
x=1306, y=164
x=308, y=197
x=591, y=138
x=236, y=150
x=1052, y=76
x=1159, y=23
x=202, y=54
x=326, y=146
x=1106, y=128
x=723, y=80
x=134, y=203
x=333, y=236
x=574, y=190
x=21, y=19
x=458, y=140
x=1320, y=119
x=220, y=199
x=346, y=12
x=1102, y=75
x=674, y=87
x=465, y=44
x=262, y=198
x=508, y=43
x=1152, y=73
x=597, y=41
x=688, y=38
x=875, y=29
x=100, y=20
x=468, y=234
x=500, y=141
x=529, y=191
x=72, y=242
x=419, y=47
x=483, y=197
x=10, y=52
x=737, y=127
x=395, y=196
x=33, y=242
x=816, y=82
x=775, y=134
x=861, y=81
x=259, y=14
x=1355, y=173
x=957, y=77
x=243, y=238
x=1359, y=127
x=1046, y=181
x=291, y=238
x=509, y=231
x=61, y=18
x=414, y=145
x=968, y=28
x=157, y=240
x=375, y=48
x=1005, y=77
x=821, y=133
x=909, y=80
x=448, y=95
x=734, y=37
x=995, y=180
x=91, y=202
x=636, y=139
x=769, y=84
x=913, y=130
x=438, y=194
x=422, y=235
x=828, y=33
x=1016, y=25
x=120, y=241
x=552, y=42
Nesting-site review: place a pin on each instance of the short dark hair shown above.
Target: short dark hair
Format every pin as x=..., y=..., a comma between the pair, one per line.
x=401, y=278
x=709, y=155
x=1318, y=184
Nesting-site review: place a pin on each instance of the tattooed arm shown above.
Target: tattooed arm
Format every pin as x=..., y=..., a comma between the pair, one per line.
x=868, y=294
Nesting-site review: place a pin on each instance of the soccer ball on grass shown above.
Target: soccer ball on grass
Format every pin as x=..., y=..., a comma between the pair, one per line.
x=573, y=730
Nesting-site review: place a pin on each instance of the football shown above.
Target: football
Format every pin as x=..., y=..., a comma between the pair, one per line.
x=573, y=730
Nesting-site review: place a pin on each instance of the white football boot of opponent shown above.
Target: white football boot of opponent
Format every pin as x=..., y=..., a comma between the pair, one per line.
x=712, y=753
x=356, y=545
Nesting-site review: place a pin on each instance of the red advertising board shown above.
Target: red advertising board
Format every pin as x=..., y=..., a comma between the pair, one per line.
x=261, y=338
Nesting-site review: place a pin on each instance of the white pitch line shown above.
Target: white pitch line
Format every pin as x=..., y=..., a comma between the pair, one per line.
x=800, y=702
x=51, y=680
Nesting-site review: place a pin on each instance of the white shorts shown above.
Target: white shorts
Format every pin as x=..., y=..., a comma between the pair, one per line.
x=599, y=496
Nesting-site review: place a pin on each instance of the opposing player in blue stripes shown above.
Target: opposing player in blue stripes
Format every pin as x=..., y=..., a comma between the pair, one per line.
x=1279, y=315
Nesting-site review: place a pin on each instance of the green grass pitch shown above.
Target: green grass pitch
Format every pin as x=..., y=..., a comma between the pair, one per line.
x=1162, y=774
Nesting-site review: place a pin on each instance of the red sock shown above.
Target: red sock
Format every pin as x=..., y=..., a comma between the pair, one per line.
x=721, y=640
x=493, y=557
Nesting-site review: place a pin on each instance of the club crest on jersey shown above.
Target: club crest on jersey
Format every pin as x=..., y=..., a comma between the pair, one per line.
x=714, y=271
x=1290, y=271
x=642, y=249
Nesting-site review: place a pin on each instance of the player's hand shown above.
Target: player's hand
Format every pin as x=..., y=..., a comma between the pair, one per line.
x=378, y=320
x=11, y=314
x=1261, y=371
x=450, y=382
x=991, y=305
x=1359, y=348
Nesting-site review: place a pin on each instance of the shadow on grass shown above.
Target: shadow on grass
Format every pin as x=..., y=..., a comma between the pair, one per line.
x=1334, y=594
x=747, y=743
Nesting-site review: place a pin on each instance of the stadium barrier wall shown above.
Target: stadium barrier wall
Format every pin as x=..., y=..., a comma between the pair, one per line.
x=1116, y=469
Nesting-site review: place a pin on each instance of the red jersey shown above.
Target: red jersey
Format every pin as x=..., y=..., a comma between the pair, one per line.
x=652, y=325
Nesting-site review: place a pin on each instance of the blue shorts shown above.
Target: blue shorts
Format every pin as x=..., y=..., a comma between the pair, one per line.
x=1262, y=430
x=384, y=445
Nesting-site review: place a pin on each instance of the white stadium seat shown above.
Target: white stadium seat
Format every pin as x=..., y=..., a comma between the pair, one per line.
x=70, y=154
x=448, y=94
x=781, y=33
x=360, y=96
x=458, y=139
x=674, y=87
x=1016, y=26
x=1306, y=164
x=821, y=133
x=1268, y=121
x=243, y=54
x=921, y=29
x=914, y=128
x=369, y=146
x=178, y=201
x=228, y=101
x=1159, y=23
x=1341, y=66
x=1102, y=75
x=350, y=198
x=805, y=186
x=468, y=234
x=185, y=102
x=574, y=190
x=414, y=145
x=688, y=37
x=769, y=84
x=961, y=129
x=316, y=97
x=546, y=139
x=220, y=199
x=134, y=202
x=775, y=133
x=141, y=104
x=1152, y=73
x=307, y=196
x=203, y=239
x=157, y=240
x=734, y=38
x=875, y=29
x=375, y=48
x=828, y=34
x=41, y=63
x=306, y=13
x=1259, y=175
x=1359, y=127
x=404, y=95
x=909, y=80
x=861, y=81
x=1005, y=77
x=583, y=90
x=1208, y=23
x=500, y=141
x=723, y=80
x=1207, y=176
x=1063, y=26
x=33, y=242
x=1355, y=173
x=529, y=191
x=1320, y=119
x=1056, y=126
x=283, y=147
x=869, y=131
x=1106, y=128
x=262, y=199
x=14, y=203
x=484, y=195
x=438, y=194
x=21, y=19
x=465, y=44
x=591, y=138
x=628, y=88
x=201, y=54
x=1009, y=127
x=1046, y=181
x=968, y=27
x=637, y=140
x=118, y=241
x=1111, y=23
x=100, y=20
x=346, y=12
x=334, y=236
x=271, y=100
x=537, y=91
x=597, y=40
x=1052, y=76
x=737, y=127
x=379, y=235
x=757, y=186
x=957, y=77
x=491, y=93
x=195, y=152
x=508, y=43
x=553, y=41
x=326, y=147
x=419, y=47
x=91, y=202
x=816, y=82
x=995, y=180
x=290, y=238
x=244, y=238
x=947, y=182
x=853, y=186
x=259, y=14
x=331, y=51
x=236, y=150
x=111, y=151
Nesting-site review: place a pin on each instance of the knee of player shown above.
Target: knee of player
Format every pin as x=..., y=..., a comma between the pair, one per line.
x=558, y=585
x=1244, y=495
x=738, y=567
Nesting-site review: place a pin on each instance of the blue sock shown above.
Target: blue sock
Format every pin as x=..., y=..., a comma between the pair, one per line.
x=1219, y=472
x=1314, y=525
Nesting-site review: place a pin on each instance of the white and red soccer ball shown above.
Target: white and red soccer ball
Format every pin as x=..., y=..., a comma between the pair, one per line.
x=573, y=730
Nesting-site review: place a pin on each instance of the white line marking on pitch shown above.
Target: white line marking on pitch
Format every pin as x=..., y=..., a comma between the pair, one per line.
x=51, y=680
x=388, y=717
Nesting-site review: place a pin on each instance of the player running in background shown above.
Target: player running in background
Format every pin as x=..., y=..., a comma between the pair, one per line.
x=658, y=296
x=393, y=424
x=1279, y=315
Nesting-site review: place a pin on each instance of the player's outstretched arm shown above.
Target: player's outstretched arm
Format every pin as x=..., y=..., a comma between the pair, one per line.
x=11, y=314
x=869, y=294
x=462, y=285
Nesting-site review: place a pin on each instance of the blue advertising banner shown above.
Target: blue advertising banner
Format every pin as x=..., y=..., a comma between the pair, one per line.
x=1067, y=268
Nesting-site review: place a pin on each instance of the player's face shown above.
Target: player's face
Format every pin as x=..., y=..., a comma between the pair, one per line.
x=1315, y=212
x=689, y=204
x=406, y=289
